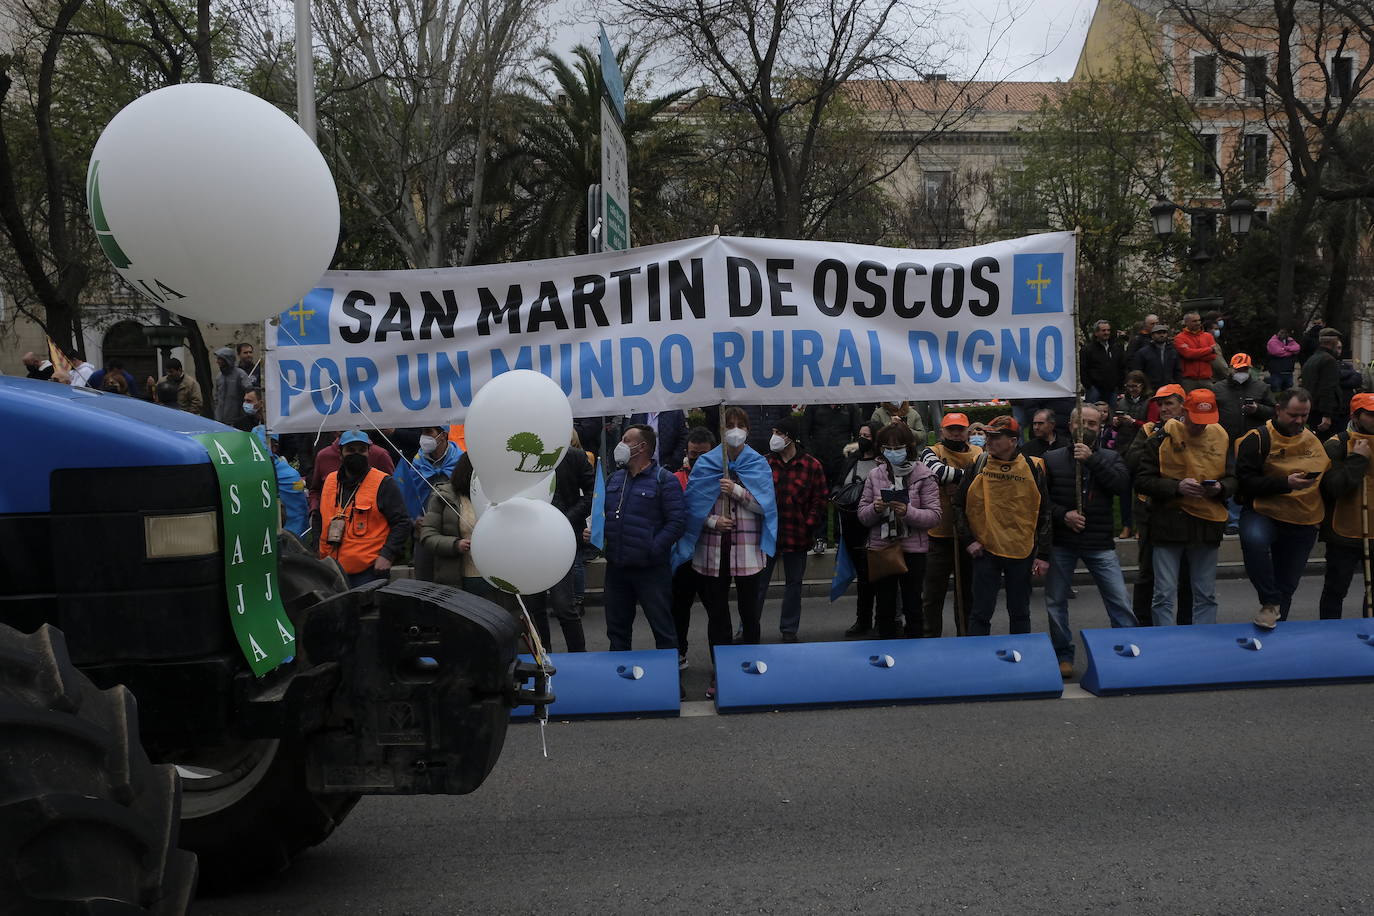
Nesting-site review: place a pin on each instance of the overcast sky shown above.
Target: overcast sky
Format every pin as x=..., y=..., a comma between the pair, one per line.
x=1037, y=40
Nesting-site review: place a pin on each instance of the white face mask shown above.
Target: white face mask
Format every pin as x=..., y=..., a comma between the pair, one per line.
x=428, y=444
x=249, y=408
x=621, y=454
x=735, y=437
x=777, y=443
x=1241, y=377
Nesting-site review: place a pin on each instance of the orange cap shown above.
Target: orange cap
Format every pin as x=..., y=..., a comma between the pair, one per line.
x=1003, y=426
x=1362, y=401
x=1201, y=406
x=1241, y=361
x=1167, y=390
x=955, y=419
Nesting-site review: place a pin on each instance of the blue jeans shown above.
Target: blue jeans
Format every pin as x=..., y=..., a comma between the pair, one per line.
x=794, y=572
x=1280, y=381
x=651, y=587
x=988, y=573
x=1275, y=556
x=1202, y=568
x=1106, y=573
x=367, y=575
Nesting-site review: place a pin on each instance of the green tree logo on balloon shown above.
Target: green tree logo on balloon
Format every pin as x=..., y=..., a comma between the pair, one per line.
x=528, y=445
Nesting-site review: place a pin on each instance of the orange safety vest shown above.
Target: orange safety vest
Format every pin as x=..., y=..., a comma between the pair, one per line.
x=1345, y=514
x=366, y=530
x=1003, y=505
x=954, y=459
x=1291, y=455
x=1201, y=457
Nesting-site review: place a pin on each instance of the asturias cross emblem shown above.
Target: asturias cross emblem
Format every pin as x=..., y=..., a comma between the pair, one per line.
x=1040, y=282
x=300, y=313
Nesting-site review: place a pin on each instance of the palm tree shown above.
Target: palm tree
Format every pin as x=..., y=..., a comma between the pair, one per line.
x=556, y=154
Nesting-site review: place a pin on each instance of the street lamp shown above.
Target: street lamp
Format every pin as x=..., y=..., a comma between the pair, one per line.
x=1239, y=214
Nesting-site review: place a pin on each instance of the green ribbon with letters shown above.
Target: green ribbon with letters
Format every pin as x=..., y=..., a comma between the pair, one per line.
x=250, y=517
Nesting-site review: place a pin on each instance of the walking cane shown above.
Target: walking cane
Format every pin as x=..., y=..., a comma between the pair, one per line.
x=961, y=612
x=1364, y=541
x=724, y=458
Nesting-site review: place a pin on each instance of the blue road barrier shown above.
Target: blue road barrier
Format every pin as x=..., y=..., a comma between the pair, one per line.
x=611, y=685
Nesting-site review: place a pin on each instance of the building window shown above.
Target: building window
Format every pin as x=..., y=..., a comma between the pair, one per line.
x=1342, y=76
x=1255, y=156
x=1205, y=159
x=1202, y=226
x=1205, y=76
x=937, y=187
x=1255, y=70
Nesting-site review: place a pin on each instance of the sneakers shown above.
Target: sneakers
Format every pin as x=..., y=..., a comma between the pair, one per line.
x=1066, y=669
x=819, y=547
x=711, y=691
x=857, y=631
x=1268, y=617
x=682, y=661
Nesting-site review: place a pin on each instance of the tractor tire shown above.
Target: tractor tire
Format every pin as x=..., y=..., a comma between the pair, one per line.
x=246, y=808
x=87, y=823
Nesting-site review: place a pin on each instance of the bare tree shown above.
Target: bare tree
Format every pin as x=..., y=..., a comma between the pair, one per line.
x=1302, y=68
x=788, y=65
x=406, y=110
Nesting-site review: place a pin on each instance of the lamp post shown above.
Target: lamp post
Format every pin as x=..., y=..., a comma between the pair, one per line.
x=1239, y=215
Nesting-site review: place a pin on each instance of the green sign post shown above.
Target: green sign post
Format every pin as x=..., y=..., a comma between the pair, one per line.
x=250, y=515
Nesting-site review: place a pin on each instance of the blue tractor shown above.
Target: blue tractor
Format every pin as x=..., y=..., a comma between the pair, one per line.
x=135, y=739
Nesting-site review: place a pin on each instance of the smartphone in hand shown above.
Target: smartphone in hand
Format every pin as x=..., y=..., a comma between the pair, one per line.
x=894, y=496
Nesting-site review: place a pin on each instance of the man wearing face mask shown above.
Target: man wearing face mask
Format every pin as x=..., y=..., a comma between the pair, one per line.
x=252, y=412
x=949, y=459
x=1003, y=510
x=732, y=526
x=366, y=525
x=644, y=519
x=328, y=460
x=1243, y=401
x=418, y=478
x=230, y=386
x=799, y=486
x=1346, y=489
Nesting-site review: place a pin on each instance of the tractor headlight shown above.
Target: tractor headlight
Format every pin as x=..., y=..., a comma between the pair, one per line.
x=168, y=536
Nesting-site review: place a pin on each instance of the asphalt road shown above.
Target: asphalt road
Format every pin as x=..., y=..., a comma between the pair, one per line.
x=1246, y=801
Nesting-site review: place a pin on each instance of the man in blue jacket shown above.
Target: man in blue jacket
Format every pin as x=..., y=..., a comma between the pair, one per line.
x=645, y=515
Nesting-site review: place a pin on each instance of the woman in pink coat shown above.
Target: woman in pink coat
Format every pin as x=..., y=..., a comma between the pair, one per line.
x=891, y=520
x=1283, y=352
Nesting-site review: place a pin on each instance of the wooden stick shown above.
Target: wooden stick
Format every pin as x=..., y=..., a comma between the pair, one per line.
x=1364, y=541
x=1078, y=363
x=724, y=458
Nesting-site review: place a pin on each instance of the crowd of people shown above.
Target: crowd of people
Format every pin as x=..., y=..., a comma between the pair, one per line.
x=1173, y=445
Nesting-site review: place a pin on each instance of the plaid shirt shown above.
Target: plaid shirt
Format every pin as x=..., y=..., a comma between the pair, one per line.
x=801, y=491
x=746, y=554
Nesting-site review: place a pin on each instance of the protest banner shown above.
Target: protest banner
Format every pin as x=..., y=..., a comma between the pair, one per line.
x=678, y=325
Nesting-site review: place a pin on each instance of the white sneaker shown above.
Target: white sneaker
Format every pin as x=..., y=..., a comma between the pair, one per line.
x=1268, y=617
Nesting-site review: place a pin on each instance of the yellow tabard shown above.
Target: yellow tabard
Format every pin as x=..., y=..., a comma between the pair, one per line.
x=1200, y=457
x=954, y=459
x=1146, y=432
x=1003, y=507
x=1291, y=455
x=1345, y=515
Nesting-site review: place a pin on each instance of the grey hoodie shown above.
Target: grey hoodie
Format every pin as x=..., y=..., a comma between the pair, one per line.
x=231, y=384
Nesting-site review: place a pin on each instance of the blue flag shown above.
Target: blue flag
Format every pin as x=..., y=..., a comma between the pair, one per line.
x=599, y=509
x=703, y=488
x=844, y=572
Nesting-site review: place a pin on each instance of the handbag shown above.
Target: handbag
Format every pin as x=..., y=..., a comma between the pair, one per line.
x=886, y=561
x=846, y=496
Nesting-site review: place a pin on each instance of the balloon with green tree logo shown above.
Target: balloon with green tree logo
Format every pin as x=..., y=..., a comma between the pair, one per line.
x=518, y=428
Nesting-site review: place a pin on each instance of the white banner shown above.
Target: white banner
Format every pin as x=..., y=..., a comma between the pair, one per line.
x=679, y=325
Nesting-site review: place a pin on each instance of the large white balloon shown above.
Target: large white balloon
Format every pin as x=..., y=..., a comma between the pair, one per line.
x=212, y=203
x=542, y=491
x=517, y=429
x=523, y=545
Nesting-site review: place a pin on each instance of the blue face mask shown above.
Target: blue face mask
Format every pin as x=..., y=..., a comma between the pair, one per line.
x=895, y=455
x=978, y=439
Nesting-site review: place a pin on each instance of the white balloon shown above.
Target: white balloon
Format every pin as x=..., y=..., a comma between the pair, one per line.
x=212, y=203
x=542, y=491
x=517, y=429
x=523, y=545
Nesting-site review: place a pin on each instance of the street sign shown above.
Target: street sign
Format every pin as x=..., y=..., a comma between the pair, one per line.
x=615, y=184
x=610, y=76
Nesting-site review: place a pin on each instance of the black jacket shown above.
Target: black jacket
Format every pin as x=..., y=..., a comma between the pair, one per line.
x=574, y=484
x=1321, y=376
x=1231, y=397
x=1103, y=367
x=826, y=429
x=1104, y=476
x=1344, y=477
x=1160, y=364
